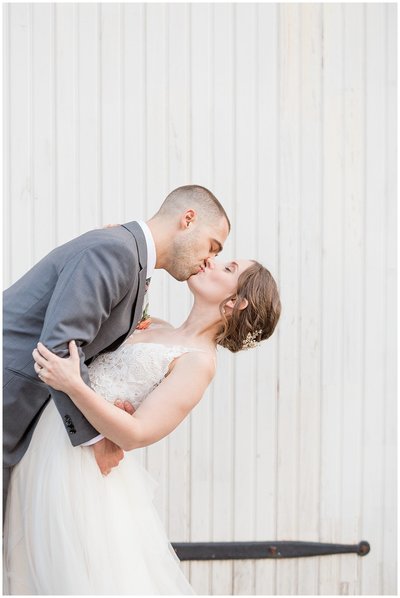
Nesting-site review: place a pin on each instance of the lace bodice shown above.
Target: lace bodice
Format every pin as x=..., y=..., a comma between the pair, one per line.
x=133, y=370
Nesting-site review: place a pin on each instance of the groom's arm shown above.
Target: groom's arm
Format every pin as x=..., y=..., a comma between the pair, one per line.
x=88, y=288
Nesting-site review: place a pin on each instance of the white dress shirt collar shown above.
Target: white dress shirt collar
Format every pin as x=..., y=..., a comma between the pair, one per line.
x=151, y=248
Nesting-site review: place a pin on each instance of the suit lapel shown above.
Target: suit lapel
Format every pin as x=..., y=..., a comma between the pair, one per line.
x=140, y=239
x=138, y=307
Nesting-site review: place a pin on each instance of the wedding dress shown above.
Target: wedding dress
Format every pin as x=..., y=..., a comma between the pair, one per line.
x=70, y=530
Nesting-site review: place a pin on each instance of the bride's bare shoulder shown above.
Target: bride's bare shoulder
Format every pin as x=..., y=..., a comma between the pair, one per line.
x=158, y=323
x=200, y=361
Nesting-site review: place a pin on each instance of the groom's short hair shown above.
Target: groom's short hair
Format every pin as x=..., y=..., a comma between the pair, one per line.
x=193, y=196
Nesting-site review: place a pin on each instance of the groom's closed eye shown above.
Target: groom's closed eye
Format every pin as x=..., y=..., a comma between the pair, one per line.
x=216, y=247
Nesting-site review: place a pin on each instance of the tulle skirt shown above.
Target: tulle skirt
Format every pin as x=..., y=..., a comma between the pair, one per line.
x=71, y=531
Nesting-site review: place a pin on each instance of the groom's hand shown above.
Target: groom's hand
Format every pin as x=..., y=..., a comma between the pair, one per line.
x=107, y=454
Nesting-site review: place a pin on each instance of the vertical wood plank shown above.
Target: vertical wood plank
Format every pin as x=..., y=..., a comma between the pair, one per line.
x=289, y=200
x=134, y=111
x=374, y=292
x=200, y=520
x=332, y=291
x=222, y=469
x=389, y=406
x=178, y=61
x=201, y=75
x=112, y=205
x=7, y=231
x=21, y=192
x=43, y=142
x=156, y=124
x=88, y=96
x=353, y=279
x=66, y=111
x=310, y=290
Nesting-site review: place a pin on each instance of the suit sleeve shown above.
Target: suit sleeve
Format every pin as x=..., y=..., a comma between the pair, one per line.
x=89, y=286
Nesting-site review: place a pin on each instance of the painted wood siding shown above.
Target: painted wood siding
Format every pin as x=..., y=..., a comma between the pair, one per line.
x=288, y=113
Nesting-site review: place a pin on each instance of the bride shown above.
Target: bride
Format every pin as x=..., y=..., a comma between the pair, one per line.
x=70, y=530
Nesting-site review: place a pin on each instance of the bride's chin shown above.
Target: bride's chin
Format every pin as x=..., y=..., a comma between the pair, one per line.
x=192, y=282
x=195, y=290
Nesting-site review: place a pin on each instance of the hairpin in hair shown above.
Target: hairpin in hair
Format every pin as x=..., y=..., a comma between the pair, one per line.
x=250, y=341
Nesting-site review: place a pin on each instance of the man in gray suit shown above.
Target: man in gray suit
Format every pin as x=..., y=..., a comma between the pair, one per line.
x=91, y=289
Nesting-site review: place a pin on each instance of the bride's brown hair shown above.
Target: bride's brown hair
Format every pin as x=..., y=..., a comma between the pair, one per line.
x=258, y=319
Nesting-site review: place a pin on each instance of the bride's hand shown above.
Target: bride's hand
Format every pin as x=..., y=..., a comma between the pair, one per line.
x=61, y=373
x=126, y=406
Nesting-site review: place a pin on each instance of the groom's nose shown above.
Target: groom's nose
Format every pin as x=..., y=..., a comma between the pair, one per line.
x=210, y=263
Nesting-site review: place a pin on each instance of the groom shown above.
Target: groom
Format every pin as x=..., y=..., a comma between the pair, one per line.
x=91, y=289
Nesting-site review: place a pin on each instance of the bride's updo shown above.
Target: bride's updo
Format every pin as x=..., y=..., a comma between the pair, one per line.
x=244, y=328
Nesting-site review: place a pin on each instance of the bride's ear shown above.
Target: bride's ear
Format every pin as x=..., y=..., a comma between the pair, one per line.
x=233, y=303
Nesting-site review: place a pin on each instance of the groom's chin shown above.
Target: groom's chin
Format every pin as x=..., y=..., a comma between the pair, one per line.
x=180, y=277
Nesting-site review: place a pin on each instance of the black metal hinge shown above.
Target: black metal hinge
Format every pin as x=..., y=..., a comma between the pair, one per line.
x=212, y=551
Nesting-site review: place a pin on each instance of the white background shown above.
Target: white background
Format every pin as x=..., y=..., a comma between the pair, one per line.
x=287, y=112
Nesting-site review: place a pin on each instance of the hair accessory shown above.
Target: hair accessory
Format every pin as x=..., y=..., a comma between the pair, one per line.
x=250, y=341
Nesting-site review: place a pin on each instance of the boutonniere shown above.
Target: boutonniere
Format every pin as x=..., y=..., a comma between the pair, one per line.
x=145, y=320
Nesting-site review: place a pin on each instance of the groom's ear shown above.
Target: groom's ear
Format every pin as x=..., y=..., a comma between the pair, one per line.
x=188, y=218
x=234, y=303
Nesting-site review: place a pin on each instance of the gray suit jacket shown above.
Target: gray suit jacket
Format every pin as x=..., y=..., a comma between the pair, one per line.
x=90, y=289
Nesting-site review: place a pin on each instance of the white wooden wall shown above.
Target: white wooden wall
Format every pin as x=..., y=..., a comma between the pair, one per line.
x=288, y=113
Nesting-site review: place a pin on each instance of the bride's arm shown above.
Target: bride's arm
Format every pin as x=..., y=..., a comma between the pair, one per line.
x=156, y=417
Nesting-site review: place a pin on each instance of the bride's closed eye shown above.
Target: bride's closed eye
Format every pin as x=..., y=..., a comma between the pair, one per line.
x=232, y=267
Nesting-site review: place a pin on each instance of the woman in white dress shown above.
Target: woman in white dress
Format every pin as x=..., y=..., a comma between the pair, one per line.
x=69, y=530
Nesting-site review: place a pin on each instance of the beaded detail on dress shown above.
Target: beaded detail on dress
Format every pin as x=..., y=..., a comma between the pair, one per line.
x=132, y=371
